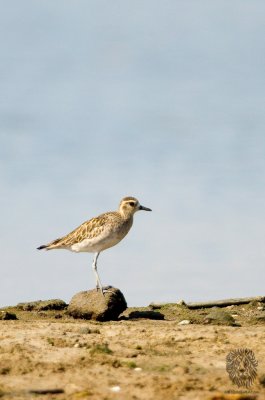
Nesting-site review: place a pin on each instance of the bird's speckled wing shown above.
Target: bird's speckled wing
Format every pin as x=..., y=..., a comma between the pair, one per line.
x=88, y=230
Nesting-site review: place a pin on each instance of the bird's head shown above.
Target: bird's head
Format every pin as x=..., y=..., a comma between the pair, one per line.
x=129, y=205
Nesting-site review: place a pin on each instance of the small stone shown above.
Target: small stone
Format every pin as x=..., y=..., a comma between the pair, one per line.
x=115, y=389
x=219, y=317
x=92, y=304
x=261, y=308
x=181, y=303
x=5, y=315
x=137, y=369
x=184, y=322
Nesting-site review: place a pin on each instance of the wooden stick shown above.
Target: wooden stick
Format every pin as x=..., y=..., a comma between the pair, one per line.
x=213, y=303
x=226, y=302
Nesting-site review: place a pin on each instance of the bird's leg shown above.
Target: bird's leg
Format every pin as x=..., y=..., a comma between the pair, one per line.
x=94, y=266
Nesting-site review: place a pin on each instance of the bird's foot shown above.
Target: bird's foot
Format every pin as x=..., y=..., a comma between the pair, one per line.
x=107, y=289
x=104, y=289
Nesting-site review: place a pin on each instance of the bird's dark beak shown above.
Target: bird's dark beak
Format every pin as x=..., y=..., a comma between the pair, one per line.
x=144, y=208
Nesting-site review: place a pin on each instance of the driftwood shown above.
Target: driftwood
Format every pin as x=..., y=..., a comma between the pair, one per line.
x=226, y=302
x=214, y=303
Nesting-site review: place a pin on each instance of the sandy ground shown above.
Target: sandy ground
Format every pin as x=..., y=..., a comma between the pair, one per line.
x=127, y=359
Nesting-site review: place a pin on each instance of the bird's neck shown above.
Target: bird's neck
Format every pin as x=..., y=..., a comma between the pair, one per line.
x=126, y=216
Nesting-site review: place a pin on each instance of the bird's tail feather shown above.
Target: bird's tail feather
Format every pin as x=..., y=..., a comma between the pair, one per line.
x=44, y=246
x=49, y=246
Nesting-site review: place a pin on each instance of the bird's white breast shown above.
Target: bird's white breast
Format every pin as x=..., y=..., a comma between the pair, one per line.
x=101, y=242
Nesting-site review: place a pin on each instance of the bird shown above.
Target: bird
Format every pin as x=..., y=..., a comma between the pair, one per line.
x=99, y=233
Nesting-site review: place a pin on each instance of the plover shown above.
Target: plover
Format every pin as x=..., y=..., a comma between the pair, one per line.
x=99, y=233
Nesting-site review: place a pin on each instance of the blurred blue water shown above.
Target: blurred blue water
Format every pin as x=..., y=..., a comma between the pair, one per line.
x=163, y=101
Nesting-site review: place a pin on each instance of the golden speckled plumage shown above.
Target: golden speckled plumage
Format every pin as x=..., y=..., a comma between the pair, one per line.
x=99, y=233
x=110, y=223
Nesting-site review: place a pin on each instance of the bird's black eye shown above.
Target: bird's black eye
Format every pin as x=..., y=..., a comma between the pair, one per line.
x=131, y=203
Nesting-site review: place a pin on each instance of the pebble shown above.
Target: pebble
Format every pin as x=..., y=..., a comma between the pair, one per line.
x=138, y=369
x=181, y=302
x=184, y=322
x=115, y=389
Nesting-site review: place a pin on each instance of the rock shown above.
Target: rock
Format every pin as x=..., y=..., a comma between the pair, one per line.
x=184, y=322
x=181, y=303
x=92, y=305
x=146, y=314
x=115, y=389
x=42, y=305
x=219, y=317
x=155, y=306
x=5, y=315
x=55, y=304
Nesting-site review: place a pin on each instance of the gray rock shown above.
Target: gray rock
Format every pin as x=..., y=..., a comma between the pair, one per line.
x=5, y=315
x=92, y=305
x=42, y=305
x=219, y=317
